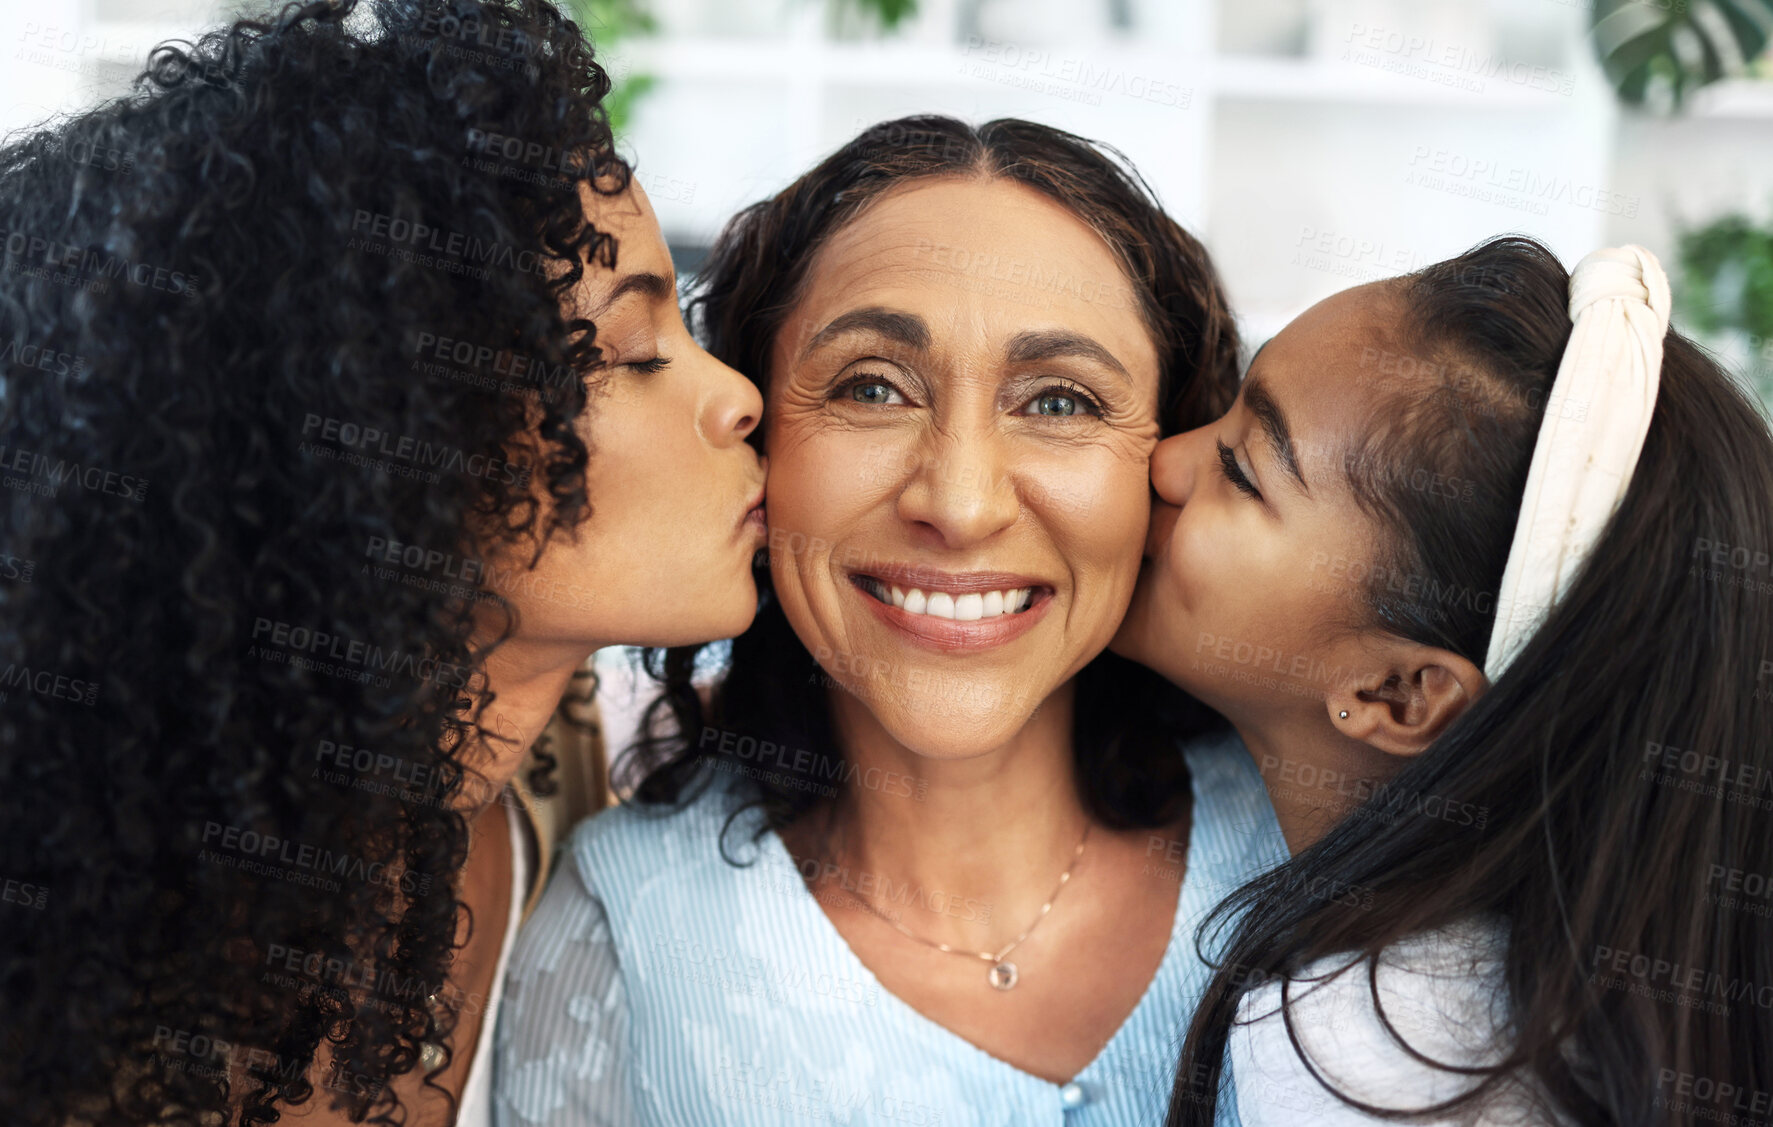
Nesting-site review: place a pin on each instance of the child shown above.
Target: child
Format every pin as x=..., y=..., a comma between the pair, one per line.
x=1477, y=565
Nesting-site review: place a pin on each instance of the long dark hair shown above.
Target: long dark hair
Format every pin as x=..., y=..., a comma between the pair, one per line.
x=1603, y=828
x=263, y=323
x=1127, y=719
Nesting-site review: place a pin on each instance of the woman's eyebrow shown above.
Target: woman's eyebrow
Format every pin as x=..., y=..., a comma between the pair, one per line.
x=1026, y=348
x=905, y=329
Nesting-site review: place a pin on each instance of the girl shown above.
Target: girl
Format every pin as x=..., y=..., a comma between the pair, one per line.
x=1476, y=565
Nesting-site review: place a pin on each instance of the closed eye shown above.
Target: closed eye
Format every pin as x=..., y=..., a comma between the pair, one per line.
x=1233, y=472
x=656, y=364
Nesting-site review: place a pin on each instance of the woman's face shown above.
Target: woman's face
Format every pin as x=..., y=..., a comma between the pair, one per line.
x=666, y=556
x=1253, y=585
x=962, y=405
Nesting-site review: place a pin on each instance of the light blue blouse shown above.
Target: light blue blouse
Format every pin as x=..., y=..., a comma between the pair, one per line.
x=656, y=983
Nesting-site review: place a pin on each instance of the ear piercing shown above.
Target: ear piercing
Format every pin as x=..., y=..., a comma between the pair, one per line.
x=1343, y=715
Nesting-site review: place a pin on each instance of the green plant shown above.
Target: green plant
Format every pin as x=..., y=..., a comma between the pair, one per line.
x=608, y=22
x=1656, y=50
x=1727, y=271
x=1727, y=292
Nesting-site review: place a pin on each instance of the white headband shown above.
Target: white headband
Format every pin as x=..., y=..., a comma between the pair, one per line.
x=1594, y=426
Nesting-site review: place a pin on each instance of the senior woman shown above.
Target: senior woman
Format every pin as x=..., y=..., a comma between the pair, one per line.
x=929, y=856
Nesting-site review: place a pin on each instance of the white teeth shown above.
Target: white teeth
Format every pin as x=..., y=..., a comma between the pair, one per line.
x=971, y=607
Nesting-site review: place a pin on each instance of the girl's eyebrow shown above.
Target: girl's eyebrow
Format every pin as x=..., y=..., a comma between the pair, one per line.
x=654, y=287
x=1274, y=424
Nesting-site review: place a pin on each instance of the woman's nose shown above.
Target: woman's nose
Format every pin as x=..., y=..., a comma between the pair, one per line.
x=961, y=489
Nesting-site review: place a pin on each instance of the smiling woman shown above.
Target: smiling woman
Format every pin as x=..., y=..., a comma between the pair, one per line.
x=969, y=342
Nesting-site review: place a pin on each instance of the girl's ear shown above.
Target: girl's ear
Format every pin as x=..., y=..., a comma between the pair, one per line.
x=1403, y=707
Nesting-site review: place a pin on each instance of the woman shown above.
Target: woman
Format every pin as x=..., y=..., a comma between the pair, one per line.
x=1511, y=704
x=360, y=434
x=918, y=859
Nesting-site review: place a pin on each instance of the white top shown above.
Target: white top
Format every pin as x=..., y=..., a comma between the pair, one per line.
x=476, y=1105
x=1444, y=995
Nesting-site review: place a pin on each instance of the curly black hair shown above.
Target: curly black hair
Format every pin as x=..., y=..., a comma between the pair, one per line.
x=1128, y=719
x=284, y=364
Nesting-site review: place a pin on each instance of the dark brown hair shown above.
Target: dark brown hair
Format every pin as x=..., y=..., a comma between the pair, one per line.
x=1589, y=844
x=1127, y=719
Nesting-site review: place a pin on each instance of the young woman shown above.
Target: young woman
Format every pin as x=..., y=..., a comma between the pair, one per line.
x=1477, y=566
x=347, y=409
x=921, y=859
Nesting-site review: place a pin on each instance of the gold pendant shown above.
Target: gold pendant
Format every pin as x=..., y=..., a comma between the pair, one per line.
x=1003, y=975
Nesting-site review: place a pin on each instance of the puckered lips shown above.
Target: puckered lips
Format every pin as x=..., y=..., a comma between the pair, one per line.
x=953, y=610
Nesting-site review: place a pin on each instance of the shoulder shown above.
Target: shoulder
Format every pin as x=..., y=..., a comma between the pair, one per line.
x=1439, y=994
x=619, y=852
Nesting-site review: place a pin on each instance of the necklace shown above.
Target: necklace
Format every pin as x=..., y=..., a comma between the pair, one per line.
x=1003, y=974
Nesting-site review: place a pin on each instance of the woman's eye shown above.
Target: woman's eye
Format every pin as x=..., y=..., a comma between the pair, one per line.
x=873, y=392
x=1059, y=403
x=656, y=364
x=1234, y=473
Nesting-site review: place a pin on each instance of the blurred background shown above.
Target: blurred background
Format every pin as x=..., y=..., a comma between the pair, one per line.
x=1311, y=144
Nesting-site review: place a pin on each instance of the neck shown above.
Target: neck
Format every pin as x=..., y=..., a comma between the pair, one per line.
x=1315, y=776
x=994, y=830
x=526, y=681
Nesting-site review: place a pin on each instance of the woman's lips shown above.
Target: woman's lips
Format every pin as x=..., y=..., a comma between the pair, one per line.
x=954, y=610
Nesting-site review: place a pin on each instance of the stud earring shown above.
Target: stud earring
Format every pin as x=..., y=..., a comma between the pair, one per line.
x=1343, y=715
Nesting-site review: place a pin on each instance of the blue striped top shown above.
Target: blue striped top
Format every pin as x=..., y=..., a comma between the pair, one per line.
x=657, y=983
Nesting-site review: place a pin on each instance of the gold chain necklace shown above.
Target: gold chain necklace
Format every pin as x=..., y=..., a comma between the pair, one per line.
x=1003, y=974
